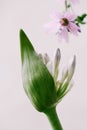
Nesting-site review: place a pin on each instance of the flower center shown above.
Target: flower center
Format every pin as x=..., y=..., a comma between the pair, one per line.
x=64, y=22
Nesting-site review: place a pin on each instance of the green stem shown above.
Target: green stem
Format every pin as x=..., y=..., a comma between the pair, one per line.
x=66, y=5
x=53, y=118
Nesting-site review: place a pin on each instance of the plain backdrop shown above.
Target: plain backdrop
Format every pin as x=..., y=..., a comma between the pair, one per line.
x=16, y=111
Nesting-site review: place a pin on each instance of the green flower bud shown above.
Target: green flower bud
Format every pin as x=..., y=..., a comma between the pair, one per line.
x=40, y=79
x=38, y=83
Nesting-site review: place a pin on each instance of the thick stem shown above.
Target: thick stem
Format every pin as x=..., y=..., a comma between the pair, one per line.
x=53, y=118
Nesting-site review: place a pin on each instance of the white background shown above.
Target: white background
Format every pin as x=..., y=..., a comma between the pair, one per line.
x=16, y=111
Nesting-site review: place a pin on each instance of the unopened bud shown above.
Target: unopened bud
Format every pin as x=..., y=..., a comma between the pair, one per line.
x=71, y=67
x=56, y=63
x=64, y=74
x=38, y=83
x=46, y=58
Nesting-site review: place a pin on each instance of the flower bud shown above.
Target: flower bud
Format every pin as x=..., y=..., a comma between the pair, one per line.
x=49, y=67
x=71, y=68
x=40, y=76
x=65, y=84
x=38, y=83
x=64, y=74
x=46, y=58
x=56, y=63
x=41, y=56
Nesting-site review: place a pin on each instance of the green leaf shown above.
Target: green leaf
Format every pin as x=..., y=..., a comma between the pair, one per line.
x=80, y=19
x=38, y=83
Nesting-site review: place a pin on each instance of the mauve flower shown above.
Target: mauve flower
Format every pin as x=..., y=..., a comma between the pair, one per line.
x=62, y=24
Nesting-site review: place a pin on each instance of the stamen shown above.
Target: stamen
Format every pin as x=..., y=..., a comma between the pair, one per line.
x=64, y=22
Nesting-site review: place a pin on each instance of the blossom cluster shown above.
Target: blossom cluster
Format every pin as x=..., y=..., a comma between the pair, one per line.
x=65, y=83
x=63, y=23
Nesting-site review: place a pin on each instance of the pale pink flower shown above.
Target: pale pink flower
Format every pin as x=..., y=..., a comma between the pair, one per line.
x=62, y=24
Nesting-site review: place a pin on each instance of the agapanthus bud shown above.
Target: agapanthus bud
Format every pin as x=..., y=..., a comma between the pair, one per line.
x=65, y=85
x=38, y=83
x=64, y=74
x=50, y=67
x=71, y=67
x=56, y=63
x=46, y=58
x=41, y=57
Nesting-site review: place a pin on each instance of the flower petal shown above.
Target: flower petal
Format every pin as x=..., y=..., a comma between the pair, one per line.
x=63, y=34
x=52, y=26
x=70, y=16
x=73, y=28
x=56, y=15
